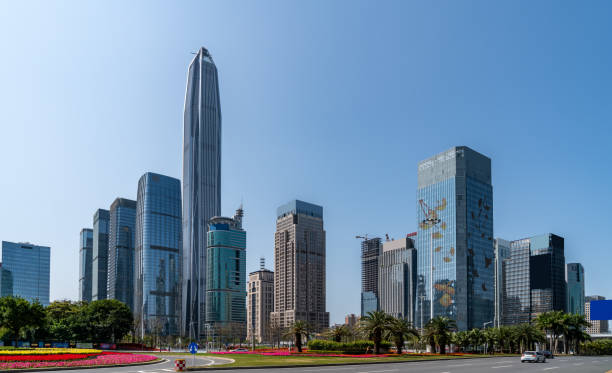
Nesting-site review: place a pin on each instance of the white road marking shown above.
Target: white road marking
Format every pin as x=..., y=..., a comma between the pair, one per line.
x=550, y=368
x=501, y=366
x=379, y=371
x=578, y=364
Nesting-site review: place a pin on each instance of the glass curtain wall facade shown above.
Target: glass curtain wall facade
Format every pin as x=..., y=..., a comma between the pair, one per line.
x=25, y=271
x=157, y=256
x=455, y=195
x=370, y=252
x=502, y=252
x=121, y=243
x=85, y=263
x=101, y=221
x=201, y=184
x=574, y=277
x=226, y=277
x=534, y=278
x=397, y=278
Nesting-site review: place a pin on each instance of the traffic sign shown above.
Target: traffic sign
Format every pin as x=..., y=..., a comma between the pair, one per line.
x=193, y=347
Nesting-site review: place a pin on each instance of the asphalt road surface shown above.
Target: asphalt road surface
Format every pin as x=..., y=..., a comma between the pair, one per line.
x=162, y=367
x=599, y=364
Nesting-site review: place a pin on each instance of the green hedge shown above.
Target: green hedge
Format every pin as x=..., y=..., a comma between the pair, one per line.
x=597, y=347
x=357, y=347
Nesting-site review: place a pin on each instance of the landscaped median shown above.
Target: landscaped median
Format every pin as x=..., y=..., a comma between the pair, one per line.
x=67, y=358
x=284, y=358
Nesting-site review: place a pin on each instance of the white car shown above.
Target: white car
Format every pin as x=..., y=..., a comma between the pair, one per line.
x=533, y=357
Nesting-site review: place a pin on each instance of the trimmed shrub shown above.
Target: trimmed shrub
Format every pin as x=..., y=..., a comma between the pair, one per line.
x=597, y=347
x=353, y=348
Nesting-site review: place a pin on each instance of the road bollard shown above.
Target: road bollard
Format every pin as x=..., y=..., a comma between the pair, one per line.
x=179, y=365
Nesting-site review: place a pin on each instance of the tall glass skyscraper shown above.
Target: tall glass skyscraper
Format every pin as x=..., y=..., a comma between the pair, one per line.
x=121, y=242
x=574, y=276
x=85, y=263
x=201, y=184
x=100, y=254
x=502, y=252
x=455, y=219
x=25, y=271
x=226, y=276
x=158, y=254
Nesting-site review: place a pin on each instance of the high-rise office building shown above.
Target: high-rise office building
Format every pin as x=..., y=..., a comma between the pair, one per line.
x=574, y=277
x=597, y=326
x=370, y=251
x=299, y=266
x=226, y=275
x=260, y=303
x=502, y=252
x=25, y=271
x=157, y=257
x=85, y=263
x=534, y=278
x=201, y=184
x=397, y=278
x=121, y=242
x=455, y=238
x=100, y=254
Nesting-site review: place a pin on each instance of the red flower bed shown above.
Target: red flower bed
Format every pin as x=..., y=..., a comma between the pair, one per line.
x=56, y=357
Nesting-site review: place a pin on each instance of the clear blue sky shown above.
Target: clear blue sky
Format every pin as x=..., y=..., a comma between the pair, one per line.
x=331, y=102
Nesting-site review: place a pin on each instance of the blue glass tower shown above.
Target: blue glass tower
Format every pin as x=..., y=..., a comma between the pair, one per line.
x=201, y=184
x=25, y=271
x=85, y=263
x=226, y=275
x=455, y=219
x=100, y=254
x=574, y=277
x=158, y=254
x=121, y=240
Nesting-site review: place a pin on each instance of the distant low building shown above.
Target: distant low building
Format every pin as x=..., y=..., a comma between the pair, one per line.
x=25, y=271
x=597, y=326
x=351, y=320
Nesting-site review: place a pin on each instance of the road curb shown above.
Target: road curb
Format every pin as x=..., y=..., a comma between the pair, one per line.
x=334, y=364
x=50, y=369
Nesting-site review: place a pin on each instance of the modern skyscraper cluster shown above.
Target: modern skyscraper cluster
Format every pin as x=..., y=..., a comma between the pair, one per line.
x=461, y=271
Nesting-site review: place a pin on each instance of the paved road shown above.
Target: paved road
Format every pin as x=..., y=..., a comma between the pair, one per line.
x=496, y=365
x=163, y=367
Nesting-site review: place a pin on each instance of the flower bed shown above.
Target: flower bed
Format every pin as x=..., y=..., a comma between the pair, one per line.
x=101, y=359
x=47, y=351
x=38, y=357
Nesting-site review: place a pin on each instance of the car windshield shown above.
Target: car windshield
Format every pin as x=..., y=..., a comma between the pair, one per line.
x=528, y=353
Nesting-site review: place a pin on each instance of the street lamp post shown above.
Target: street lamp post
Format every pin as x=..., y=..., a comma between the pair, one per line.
x=484, y=326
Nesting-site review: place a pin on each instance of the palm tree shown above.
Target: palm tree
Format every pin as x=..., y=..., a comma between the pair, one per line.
x=573, y=331
x=439, y=330
x=298, y=331
x=526, y=335
x=337, y=332
x=491, y=338
x=374, y=325
x=476, y=338
x=461, y=339
x=399, y=330
x=552, y=323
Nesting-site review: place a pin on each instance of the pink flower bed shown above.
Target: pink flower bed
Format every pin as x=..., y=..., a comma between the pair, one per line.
x=108, y=358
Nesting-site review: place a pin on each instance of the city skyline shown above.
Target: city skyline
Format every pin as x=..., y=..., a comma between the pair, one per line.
x=273, y=114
